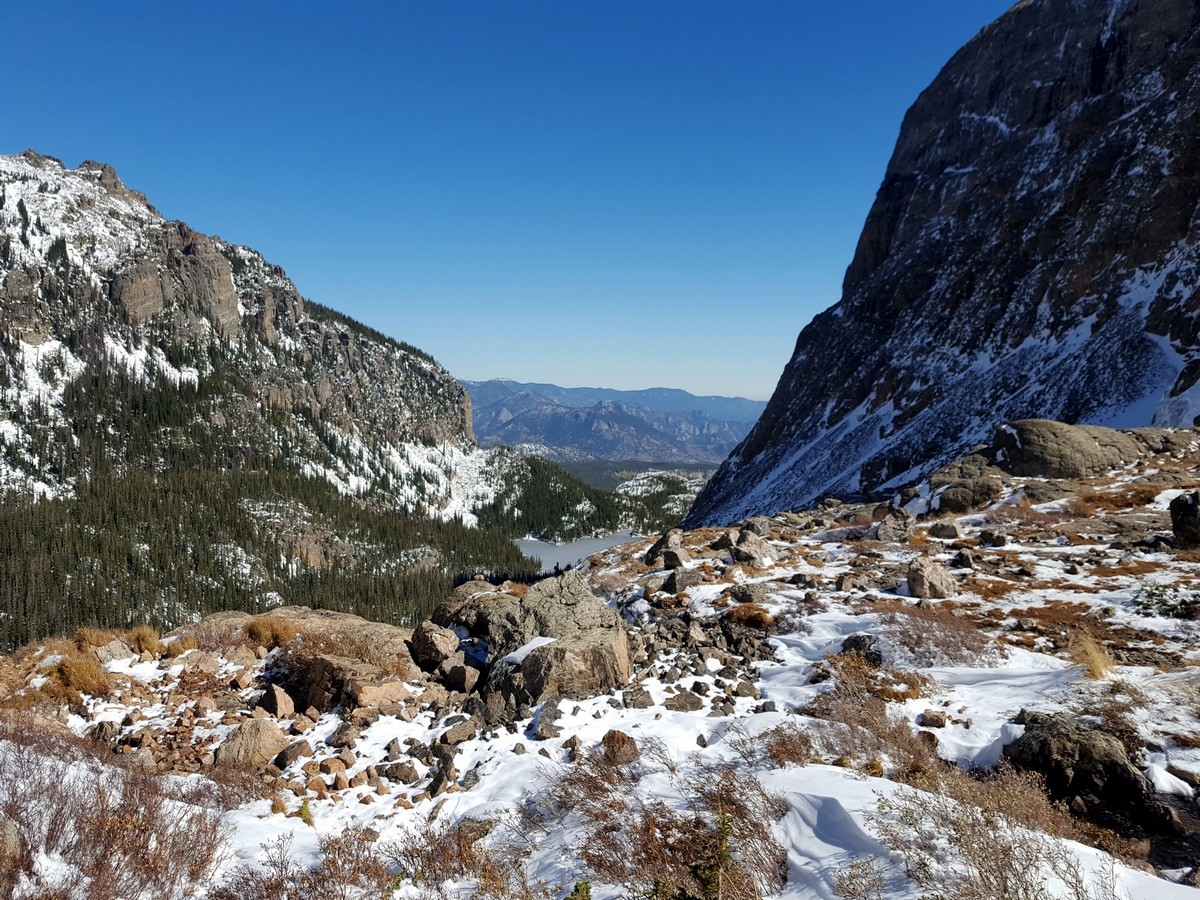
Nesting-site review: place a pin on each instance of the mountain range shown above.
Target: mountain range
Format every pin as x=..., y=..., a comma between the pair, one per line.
x=659, y=425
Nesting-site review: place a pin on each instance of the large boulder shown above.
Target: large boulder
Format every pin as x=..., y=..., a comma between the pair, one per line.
x=588, y=653
x=432, y=645
x=967, y=483
x=1043, y=448
x=587, y=665
x=329, y=681
x=896, y=527
x=252, y=745
x=559, y=607
x=927, y=579
x=382, y=645
x=753, y=549
x=1080, y=764
x=1185, y=519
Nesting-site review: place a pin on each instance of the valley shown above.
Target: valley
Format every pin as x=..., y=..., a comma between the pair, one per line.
x=290, y=612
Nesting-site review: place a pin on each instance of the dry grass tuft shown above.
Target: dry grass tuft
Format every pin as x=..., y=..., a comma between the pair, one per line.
x=179, y=646
x=145, y=639
x=86, y=638
x=1092, y=655
x=752, y=615
x=83, y=675
x=270, y=631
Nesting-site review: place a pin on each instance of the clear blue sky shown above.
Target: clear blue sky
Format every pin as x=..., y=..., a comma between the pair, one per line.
x=626, y=193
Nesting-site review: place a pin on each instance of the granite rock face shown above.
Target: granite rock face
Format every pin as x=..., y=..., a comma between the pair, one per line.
x=1032, y=252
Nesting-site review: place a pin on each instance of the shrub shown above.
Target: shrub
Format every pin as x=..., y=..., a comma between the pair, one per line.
x=86, y=638
x=435, y=855
x=788, y=744
x=936, y=636
x=721, y=846
x=117, y=833
x=1169, y=601
x=979, y=847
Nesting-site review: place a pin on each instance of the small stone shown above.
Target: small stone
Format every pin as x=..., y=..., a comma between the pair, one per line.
x=933, y=718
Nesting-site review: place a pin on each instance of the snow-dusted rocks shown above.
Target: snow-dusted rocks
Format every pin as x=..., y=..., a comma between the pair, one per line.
x=556, y=639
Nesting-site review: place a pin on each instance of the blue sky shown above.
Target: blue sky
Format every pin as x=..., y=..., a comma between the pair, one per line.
x=627, y=193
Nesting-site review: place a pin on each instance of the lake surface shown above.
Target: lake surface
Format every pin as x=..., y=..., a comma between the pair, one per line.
x=567, y=555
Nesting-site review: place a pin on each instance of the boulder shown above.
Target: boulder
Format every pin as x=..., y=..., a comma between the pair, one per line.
x=586, y=665
x=684, y=701
x=928, y=579
x=966, y=484
x=945, y=531
x=753, y=549
x=675, y=558
x=1185, y=519
x=329, y=681
x=1077, y=760
x=251, y=745
x=751, y=592
x=681, y=580
x=432, y=645
x=112, y=651
x=618, y=748
x=933, y=718
x=670, y=540
x=293, y=752
x=1043, y=448
x=277, y=702
x=760, y=525
x=896, y=527
x=559, y=607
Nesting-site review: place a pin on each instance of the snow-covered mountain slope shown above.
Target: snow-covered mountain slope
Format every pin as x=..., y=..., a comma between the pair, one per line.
x=97, y=289
x=1032, y=252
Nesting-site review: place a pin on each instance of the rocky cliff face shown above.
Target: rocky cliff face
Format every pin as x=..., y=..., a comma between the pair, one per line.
x=96, y=287
x=1031, y=252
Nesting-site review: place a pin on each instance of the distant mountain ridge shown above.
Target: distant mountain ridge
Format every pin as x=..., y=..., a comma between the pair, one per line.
x=1033, y=252
x=662, y=425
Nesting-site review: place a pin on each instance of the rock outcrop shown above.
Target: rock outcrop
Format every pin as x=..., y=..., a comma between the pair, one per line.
x=1031, y=252
x=588, y=652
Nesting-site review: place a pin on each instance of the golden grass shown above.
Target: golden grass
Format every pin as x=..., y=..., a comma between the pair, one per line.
x=94, y=637
x=270, y=631
x=145, y=639
x=1092, y=655
x=752, y=615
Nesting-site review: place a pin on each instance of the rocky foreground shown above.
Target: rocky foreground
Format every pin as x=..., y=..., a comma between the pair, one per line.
x=846, y=701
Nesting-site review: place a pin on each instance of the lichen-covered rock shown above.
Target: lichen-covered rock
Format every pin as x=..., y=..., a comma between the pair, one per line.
x=1043, y=448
